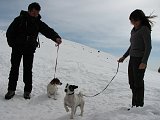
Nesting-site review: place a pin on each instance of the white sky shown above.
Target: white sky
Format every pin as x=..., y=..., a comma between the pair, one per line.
x=102, y=24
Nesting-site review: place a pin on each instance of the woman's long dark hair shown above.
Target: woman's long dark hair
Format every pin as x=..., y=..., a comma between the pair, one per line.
x=145, y=20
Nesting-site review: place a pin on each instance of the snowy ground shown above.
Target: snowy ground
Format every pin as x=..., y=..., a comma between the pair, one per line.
x=83, y=66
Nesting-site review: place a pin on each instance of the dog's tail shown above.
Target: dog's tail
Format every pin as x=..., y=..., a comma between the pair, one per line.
x=80, y=94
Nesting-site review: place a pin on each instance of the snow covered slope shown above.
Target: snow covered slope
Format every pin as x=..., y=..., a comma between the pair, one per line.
x=83, y=66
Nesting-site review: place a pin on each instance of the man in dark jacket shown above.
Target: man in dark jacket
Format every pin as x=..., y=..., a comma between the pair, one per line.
x=22, y=37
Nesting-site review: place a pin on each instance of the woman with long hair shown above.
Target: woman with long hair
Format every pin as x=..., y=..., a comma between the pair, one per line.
x=139, y=51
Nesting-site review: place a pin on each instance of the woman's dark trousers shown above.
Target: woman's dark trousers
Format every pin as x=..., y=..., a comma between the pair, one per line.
x=136, y=81
x=16, y=57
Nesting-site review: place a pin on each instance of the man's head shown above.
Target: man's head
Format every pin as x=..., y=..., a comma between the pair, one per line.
x=34, y=9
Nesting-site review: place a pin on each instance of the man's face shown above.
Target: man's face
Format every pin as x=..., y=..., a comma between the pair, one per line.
x=33, y=13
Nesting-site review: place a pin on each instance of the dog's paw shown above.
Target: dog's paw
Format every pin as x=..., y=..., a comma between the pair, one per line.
x=67, y=110
x=71, y=117
x=49, y=96
x=55, y=98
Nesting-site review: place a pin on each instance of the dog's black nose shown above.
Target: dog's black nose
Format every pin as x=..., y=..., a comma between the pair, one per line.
x=60, y=83
x=65, y=90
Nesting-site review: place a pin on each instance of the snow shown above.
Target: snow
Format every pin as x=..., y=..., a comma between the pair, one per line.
x=83, y=66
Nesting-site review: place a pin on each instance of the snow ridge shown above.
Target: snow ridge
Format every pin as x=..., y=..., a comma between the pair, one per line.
x=86, y=67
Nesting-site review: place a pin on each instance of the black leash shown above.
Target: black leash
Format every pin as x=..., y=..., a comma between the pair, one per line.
x=87, y=95
x=106, y=86
x=56, y=61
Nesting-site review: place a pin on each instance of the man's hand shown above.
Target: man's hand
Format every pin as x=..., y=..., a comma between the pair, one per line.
x=142, y=66
x=58, y=41
x=121, y=60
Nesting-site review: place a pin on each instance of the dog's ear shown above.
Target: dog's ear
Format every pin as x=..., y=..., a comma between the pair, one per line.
x=67, y=84
x=57, y=79
x=75, y=87
x=52, y=82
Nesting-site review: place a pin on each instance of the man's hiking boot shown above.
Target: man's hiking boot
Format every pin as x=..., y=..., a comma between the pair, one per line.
x=131, y=107
x=9, y=94
x=134, y=107
x=27, y=95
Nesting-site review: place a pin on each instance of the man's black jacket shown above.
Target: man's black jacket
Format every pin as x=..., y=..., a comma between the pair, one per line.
x=23, y=31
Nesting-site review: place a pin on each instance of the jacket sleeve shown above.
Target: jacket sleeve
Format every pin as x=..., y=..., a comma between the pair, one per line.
x=11, y=32
x=159, y=70
x=127, y=52
x=48, y=32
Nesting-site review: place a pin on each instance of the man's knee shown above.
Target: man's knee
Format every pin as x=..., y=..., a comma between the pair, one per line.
x=139, y=85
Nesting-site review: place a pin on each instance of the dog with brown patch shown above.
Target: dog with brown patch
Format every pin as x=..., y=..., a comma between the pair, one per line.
x=52, y=88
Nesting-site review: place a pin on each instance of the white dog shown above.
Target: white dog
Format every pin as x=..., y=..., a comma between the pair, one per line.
x=73, y=100
x=52, y=88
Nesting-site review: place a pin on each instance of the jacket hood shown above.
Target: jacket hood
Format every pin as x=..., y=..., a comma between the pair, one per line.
x=25, y=14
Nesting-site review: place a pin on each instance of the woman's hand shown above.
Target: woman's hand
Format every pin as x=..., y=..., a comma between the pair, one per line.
x=142, y=66
x=121, y=60
x=159, y=70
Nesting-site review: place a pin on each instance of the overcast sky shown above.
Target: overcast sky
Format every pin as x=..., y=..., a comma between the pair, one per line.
x=102, y=24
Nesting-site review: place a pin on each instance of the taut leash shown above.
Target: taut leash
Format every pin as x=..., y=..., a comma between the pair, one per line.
x=56, y=61
x=86, y=95
x=106, y=86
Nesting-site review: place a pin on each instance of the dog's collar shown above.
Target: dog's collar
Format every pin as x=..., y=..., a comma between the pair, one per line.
x=71, y=93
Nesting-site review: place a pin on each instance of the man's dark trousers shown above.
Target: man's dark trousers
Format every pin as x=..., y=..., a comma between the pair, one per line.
x=136, y=81
x=16, y=56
